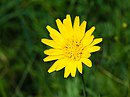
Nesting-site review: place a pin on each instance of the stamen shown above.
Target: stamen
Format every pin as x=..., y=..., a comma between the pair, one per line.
x=73, y=50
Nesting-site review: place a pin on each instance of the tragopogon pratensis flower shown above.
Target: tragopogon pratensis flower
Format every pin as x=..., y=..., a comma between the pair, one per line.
x=71, y=46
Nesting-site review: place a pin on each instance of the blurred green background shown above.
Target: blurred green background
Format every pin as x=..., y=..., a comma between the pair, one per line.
x=24, y=74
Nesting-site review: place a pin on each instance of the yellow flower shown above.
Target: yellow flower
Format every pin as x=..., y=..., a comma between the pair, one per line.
x=124, y=25
x=71, y=46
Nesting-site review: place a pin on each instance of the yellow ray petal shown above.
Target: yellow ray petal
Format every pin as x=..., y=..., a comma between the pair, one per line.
x=62, y=29
x=55, y=35
x=68, y=27
x=79, y=66
x=85, y=53
x=51, y=58
x=62, y=64
x=68, y=69
x=79, y=30
x=93, y=49
x=83, y=26
x=76, y=22
x=50, y=43
x=96, y=41
x=87, y=40
x=53, y=67
x=69, y=19
x=53, y=52
x=73, y=70
x=68, y=22
x=90, y=31
x=87, y=62
x=82, y=29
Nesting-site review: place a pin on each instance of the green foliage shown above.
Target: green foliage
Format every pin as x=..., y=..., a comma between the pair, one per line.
x=24, y=74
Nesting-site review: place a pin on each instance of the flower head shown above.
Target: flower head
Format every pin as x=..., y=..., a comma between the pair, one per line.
x=71, y=46
x=124, y=25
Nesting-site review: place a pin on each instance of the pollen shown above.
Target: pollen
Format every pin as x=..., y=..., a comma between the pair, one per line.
x=73, y=49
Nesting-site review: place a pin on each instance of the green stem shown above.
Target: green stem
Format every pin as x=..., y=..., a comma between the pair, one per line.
x=83, y=83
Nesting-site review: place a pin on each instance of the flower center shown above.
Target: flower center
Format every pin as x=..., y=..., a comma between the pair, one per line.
x=73, y=50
